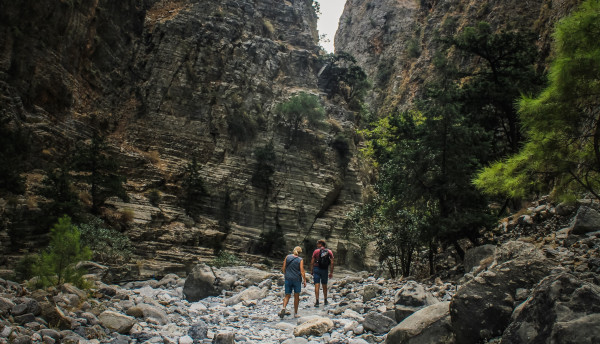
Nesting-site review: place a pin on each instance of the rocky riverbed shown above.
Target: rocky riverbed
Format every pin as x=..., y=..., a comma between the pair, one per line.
x=362, y=309
x=538, y=284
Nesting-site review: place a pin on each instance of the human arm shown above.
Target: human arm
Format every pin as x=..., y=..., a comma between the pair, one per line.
x=283, y=267
x=303, y=272
x=331, y=264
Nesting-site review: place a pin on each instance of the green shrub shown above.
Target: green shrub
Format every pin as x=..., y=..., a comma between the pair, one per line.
x=413, y=49
x=154, y=197
x=225, y=259
x=107, y=244
x=57, y=264
x=193, y=186
x=299, y=108
x=341, y=144
x=24, y=267
x=265, y=166
x=241, y=125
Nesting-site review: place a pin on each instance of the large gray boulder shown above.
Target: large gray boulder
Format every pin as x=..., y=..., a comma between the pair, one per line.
x=378, y=323
x=562, y=309
x=371, y=291
x=481, y=309
x=587, y=220
x=248, y=276
x=116, y=321
x=428, y=325
x=205, y=281
x=478, y=255
x=316, y=326
x=252, y=293
x=149, y=313
x=413, y=294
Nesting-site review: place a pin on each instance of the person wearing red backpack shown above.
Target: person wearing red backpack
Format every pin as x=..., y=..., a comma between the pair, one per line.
x=321, y=262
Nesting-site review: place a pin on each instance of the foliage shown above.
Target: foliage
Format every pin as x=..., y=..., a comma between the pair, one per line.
x=57, y=264
x=225, y=259
x=413, y=49
x=241, y=125
x=58, y=186
x=562, y=123
x=395, y=232
x=342, y=76
x=384, y=71
x=107, y=244
x=14, y=146
x=490, y=90
x=99, y=169
x=193, y=186
x=271, y=242
x=265, y=166
x=154, y=197
x=317, y=7
x=425, y=166
x=341, y=144
x=299, y=108
x=24, y=269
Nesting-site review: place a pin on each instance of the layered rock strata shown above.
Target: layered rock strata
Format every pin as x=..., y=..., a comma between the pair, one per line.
x=173, y=81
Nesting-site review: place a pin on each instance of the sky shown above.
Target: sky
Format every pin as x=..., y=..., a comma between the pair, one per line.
x=331, y=10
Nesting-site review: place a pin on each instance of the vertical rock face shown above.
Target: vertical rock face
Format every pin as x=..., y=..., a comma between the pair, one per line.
x=395, y=41
x=173, y=81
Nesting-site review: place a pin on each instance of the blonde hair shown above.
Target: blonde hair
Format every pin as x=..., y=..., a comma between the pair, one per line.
x=297, y=250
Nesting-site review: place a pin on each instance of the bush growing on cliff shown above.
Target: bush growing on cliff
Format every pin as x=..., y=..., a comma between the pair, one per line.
x=107, y=244
x=13, y=148
x=57, y=264
x=154, y=197
x=225, y=259
x=58, y=187
x=265, y=166
x=99, y=169
x=342, y=76
x=299, y=108
x=193, y=186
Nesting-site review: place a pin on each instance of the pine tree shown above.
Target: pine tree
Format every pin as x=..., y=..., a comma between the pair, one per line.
x=193, y=186
x=100, y=170
x=562, y=152
x=57, y=264
x=58, y=187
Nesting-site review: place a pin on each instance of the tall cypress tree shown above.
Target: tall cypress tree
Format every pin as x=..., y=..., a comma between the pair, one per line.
x=99, y=169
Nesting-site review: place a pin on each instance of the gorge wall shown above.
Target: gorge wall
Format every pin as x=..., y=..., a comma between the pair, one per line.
x=175, y=81
x=170, y=82
x=395, y=42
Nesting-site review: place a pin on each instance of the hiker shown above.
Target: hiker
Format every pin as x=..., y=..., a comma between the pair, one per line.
x=293, y=270
x=321, y=261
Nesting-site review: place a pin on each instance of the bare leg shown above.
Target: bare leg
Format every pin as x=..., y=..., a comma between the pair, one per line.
x=317, y=292
x=296, y=302
x=286, y=299
x=324, y=292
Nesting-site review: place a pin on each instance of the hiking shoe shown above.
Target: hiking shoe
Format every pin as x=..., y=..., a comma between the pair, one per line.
x=282, y=313
x=325, y=303
x=317, y=304
x=296, y=316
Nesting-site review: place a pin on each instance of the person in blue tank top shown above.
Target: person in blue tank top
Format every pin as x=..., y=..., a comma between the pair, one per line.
x=293, y=271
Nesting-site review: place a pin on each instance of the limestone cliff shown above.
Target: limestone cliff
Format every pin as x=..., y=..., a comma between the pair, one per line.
x=172, y=81
x=395, y=41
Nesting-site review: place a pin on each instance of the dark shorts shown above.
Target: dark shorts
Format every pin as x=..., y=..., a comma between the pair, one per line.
x=320, y=275
x=289, y=285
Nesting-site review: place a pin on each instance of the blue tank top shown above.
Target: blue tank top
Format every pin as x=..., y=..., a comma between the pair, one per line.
x=292, y=268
